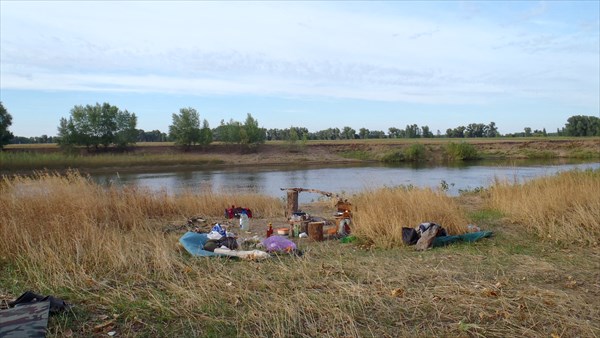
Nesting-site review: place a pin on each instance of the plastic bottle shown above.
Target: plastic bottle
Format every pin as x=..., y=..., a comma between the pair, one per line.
x=244, y=222
x=270, y=230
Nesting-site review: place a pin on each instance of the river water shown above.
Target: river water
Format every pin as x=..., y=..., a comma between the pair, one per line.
x=346, y=179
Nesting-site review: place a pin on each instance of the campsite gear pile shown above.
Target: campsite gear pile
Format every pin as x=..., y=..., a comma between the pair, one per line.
x=218, y=237
x=429, y=234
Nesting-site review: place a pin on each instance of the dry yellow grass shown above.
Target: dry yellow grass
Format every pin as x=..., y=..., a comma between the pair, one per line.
x=67, y=224
x=103, y=250
x=564, y=208
x=382, y=213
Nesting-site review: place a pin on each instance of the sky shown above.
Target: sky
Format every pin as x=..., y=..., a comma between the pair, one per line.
x=311, y=64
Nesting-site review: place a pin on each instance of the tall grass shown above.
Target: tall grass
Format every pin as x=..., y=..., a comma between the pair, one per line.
x=382, y=213
x=563, y=208
x=67, y=223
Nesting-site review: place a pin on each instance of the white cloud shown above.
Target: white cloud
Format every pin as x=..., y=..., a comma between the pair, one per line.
x=286, y=49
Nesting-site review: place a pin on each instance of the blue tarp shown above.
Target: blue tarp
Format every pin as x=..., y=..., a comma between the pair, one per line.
x=194, y=242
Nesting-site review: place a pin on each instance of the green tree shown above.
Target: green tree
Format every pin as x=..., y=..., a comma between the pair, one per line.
x=491, y=130
x=92, y=126
x=252, y=133
x=413, y=131
x=426, y=132
x=348, y=133
x=5, y=122
x=456, y=132
x=527, y=131
x=364, y=133
x=580, y=125
x=125, y=132
x=185, y=129
x=229, y=132
x=475, y=130
x=206, y=134
x=393, y=132
x=373, y=134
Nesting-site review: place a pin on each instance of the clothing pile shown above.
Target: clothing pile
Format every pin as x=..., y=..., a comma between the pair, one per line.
x=429, y=234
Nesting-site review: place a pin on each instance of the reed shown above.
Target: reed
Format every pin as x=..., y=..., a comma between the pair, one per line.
x=383, y=212
x=564, y=208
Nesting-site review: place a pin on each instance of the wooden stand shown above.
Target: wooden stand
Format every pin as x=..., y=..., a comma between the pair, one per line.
x=315, y=231
x=292, y=203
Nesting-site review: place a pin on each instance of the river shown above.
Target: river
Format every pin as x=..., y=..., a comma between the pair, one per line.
x=345, y=179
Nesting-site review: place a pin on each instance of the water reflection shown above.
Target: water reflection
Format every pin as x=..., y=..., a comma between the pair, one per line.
x=341, y=179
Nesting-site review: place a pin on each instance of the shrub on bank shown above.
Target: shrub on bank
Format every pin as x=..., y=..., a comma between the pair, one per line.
x=414, y=153
x=461, y=151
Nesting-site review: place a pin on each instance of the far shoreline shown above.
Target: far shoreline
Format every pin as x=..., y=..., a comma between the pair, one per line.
x=157, y=157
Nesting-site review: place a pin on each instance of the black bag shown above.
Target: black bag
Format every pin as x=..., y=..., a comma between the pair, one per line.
x=409, y=236
x=230, y=243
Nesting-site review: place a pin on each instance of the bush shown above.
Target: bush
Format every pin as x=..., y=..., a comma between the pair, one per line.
x=393, y=157
x=416, y=152
x=461, y=151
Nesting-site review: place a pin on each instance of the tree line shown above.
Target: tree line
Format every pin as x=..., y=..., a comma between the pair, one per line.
x=101, y=126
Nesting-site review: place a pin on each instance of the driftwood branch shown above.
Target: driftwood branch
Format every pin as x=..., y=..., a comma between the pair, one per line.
x=328, y=194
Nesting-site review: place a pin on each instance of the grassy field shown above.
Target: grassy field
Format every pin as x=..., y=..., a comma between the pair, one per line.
x=166, y=155
x=114, y=254
x=24, y=161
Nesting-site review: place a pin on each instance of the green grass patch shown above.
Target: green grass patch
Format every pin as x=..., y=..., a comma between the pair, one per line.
x=584, y=154
x=357, y=155
x=485, y=215
x=539, y=154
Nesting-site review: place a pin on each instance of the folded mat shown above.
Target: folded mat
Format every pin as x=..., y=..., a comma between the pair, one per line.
x=468, y=237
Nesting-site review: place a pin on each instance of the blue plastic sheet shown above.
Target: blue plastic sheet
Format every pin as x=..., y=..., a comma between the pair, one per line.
x=194, y=242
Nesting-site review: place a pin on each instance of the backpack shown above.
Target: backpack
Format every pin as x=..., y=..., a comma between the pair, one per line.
x=409, y=236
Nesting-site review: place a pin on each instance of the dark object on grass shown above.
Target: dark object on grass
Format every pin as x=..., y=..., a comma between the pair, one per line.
x=409, y=236
x=29, y=319
x=57, y=305
x=28, y=315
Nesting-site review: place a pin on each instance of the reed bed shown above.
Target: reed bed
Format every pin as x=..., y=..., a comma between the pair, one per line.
x=564, y=208
x=382, y=213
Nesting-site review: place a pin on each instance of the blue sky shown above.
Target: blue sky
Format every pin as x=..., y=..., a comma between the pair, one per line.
x=313, y=64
